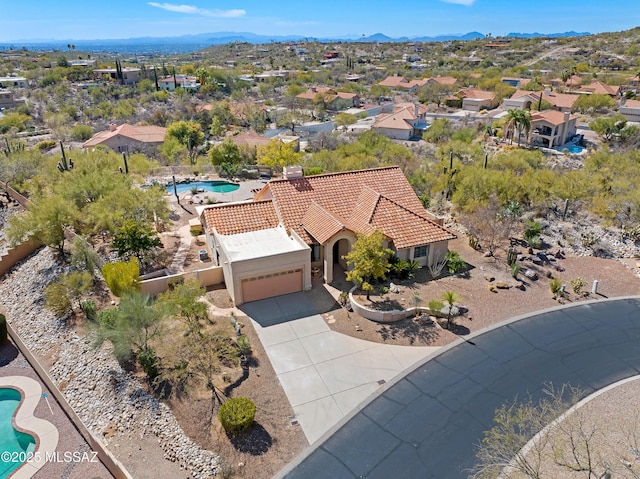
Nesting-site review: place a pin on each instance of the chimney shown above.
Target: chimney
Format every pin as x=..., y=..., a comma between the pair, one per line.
x=290, y=172
x=547, y=91
x=112, y=127
x=417, y=111
x=566, y=116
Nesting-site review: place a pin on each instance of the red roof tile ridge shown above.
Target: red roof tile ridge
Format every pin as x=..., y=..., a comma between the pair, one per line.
x=424, y=217
x=338, y=173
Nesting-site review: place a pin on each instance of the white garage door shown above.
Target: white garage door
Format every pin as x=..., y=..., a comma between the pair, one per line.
x=272, y=284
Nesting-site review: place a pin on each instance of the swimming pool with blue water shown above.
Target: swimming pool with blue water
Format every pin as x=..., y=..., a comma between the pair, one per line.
x=215, y=186
x=11, y=441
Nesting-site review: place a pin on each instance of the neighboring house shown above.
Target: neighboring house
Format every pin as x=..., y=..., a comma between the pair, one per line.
x=600, y=88
x=250, y=140
x=515, y=82
x=170, y=83
x=15, y=81
x=405, y=123
x=296, y=225
x=552, y=128
x=574, y=81
x=8, y=101
x=399, y=83
x=631, y=110
x=130, y=76
x=474, y=99
x=333, y=100
x=128, y=138
x=526, y=100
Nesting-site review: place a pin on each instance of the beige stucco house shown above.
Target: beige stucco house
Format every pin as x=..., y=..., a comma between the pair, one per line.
x=406, y=122
x=631, y=110
x=552, y=128
x=298, y=227
x=128, y=138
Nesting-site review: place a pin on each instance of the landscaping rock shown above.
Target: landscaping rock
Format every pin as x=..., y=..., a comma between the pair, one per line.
x=501, y=285
x=559, y=268
x=521, y=286
x=98, y=389
x=489, y=278
x=532, y=275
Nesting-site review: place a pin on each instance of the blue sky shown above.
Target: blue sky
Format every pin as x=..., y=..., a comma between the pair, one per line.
x=88, y=19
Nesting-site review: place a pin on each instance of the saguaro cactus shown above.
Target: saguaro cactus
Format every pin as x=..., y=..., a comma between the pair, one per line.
x=63, y=164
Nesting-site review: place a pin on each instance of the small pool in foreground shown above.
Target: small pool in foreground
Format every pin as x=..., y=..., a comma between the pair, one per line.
x=215, y=186
x=11, y=441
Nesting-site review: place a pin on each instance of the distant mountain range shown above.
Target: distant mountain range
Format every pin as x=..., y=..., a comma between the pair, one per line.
x=188, y=43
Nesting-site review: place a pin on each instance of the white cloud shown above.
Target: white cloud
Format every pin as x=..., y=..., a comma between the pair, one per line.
x=468, y=3
x=193, y=10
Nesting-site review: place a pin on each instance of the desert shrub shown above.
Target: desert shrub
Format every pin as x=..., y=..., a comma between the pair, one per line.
x=149, y=362
x=312, y=171
x=244, y=345
x=532, y=234
x=56, y=299
x=515, y=269
x=384, y=290
x=121, y=277
x=454, y=262
x=577, y=284
x=436, y=305
x=81, y=132
x=473, y=242
x=3, y=329
x=556, y=286
x=45, y=145
x=89, y=310
x=237, y=414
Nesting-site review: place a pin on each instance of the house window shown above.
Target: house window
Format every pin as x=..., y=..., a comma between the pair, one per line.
x=420, y=251
x=315, y=252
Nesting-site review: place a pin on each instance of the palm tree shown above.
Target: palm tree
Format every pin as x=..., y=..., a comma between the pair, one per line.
x=518, y=121
x=203, y=75
x=450, y=297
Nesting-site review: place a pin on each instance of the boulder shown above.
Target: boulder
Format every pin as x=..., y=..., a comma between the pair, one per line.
x=532, y=275
x=489, y=278
x=501, y=285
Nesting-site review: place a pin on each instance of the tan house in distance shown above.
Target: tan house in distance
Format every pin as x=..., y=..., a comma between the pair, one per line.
x=551, y=128
x=128, y=138
x=301, y=226
x=405, y=123
x=474, y=99
x=631, y=110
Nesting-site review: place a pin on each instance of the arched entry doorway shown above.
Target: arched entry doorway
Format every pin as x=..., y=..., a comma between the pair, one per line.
x=334, y=252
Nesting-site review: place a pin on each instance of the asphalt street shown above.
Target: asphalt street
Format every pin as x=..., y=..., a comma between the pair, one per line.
x=427, y=424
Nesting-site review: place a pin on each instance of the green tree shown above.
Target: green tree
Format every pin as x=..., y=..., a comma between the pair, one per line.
x=345, y=119
x=216, y=130
x=225, y=152
x=450, y=298
x=83, y=256
x=45, y=220
x=594, y=102
x=368, y=260
x=439, y=131
x=135, y=238
x=277, y=154
x=518, y=121
x=189, y=134
x=134, y=328
x=183, y=300
x=81, y=132
x=199, y=358
x=122, y=277
x=64, y=294
x=608, y=127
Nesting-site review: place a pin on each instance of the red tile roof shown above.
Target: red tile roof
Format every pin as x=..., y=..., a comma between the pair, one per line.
x=142, y=134
x=553, y=117
x=250, y=138
x=234, y=218
x=362, y=201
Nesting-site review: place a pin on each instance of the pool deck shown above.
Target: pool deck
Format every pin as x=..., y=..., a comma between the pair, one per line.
x=245, y=192
x=44, y=418
x=45, y=433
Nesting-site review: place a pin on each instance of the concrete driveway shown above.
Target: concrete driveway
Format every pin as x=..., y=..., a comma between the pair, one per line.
x=325, y=374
